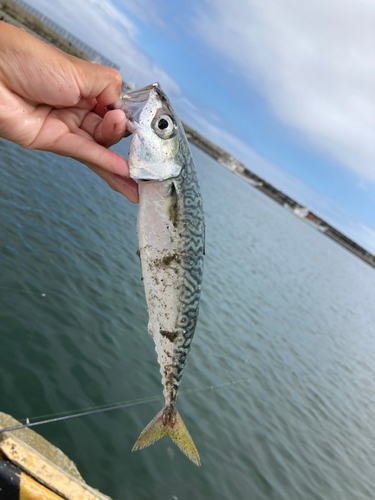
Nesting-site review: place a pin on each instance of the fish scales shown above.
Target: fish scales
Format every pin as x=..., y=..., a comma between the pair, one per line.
x=187, y=255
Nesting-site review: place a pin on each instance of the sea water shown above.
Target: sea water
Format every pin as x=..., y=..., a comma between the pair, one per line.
x=279, y=389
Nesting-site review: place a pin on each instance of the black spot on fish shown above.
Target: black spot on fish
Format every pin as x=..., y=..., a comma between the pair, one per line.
x=171, y=336
x=167, y=260
x=173, y=207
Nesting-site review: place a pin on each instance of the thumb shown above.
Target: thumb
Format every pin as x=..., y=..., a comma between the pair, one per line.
x=101, y=82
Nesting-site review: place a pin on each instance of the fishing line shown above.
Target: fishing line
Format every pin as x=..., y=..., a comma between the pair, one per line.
x=108, y=406
x=82, y=414
x=23, y=291
x=101, y=409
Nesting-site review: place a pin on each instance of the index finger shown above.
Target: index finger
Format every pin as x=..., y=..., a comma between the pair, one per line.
x=88, y=151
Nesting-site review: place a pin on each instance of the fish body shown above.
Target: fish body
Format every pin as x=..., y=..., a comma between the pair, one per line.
x=170, y=231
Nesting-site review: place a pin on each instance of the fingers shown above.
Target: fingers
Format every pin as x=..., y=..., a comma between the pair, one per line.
x=107, y=130
x=111, y=129
x=110, y=168
x=112, y=91
x=98, y=81
x=126, y=187
x=87, y=151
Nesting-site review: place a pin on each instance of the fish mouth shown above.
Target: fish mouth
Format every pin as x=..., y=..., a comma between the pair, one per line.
x=138, y=95
x=133, y=102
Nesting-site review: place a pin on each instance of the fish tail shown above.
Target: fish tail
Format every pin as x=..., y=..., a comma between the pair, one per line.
x=176, y=429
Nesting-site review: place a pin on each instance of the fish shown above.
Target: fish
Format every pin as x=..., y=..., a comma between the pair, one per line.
x=171, y=237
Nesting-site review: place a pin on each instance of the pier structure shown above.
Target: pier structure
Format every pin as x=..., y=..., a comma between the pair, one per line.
x=31, y=468
x=278, y=196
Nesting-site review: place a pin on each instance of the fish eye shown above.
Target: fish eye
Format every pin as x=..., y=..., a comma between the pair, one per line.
x=164, y=126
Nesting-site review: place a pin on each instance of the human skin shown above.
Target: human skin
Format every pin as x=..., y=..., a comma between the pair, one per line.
x=54, y=102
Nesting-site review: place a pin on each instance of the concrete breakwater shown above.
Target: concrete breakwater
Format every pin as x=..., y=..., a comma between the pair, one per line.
x=278, y=196
x=20, y=14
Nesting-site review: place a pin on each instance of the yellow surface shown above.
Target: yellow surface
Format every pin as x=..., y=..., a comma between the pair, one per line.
x=31, y=490
x=46, y=472
x=40, y=445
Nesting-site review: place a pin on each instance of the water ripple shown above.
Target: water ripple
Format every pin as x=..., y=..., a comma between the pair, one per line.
x=285, y=340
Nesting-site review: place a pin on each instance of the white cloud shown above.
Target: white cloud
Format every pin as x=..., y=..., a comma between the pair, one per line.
x=104, y=27
x=314, y=61
x=148, y=11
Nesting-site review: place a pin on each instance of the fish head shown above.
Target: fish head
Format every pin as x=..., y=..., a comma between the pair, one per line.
x=158, y=145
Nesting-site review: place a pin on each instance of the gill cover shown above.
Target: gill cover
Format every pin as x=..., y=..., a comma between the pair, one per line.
x=156, y=146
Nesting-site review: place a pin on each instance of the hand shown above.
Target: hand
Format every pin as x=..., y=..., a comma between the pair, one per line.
x=55, y=102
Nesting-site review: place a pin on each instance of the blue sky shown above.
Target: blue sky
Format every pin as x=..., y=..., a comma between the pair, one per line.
x=287, y=87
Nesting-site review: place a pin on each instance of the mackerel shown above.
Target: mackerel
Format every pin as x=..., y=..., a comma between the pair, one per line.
x=170, y=231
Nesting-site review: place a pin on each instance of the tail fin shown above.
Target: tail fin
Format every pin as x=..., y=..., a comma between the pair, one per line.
x=177, y=431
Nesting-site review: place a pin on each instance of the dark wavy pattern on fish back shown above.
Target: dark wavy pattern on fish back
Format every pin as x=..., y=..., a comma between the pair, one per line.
x=191, y=223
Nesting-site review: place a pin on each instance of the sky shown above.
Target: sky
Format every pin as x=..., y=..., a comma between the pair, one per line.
x=285, y=86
